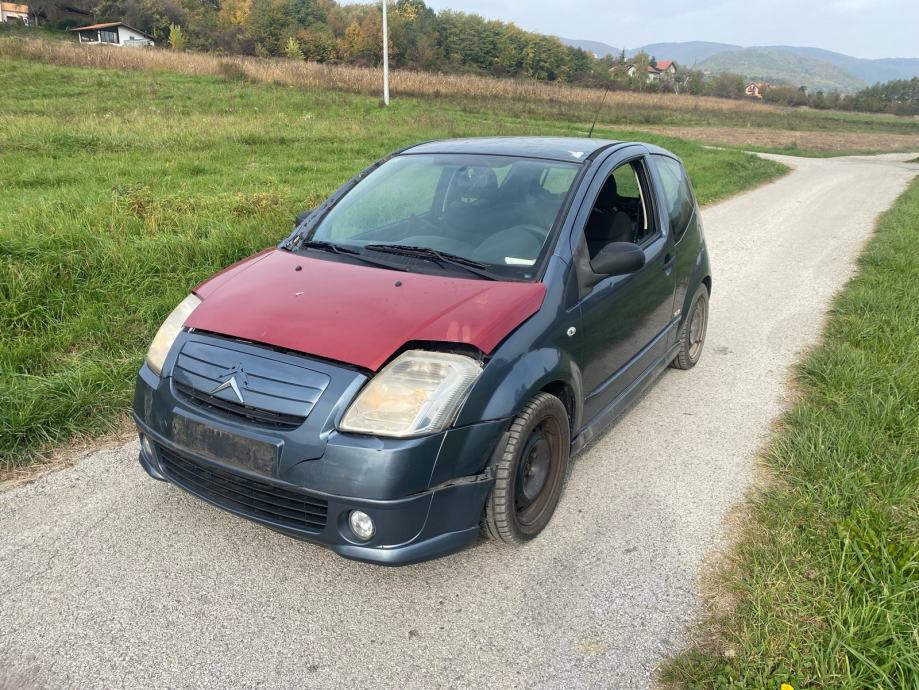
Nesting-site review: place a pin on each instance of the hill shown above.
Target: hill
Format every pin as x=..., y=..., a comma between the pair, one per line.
x=869, y=71
x=686, y=53
x=782, y=66
x=692, y=53
x=598, y=48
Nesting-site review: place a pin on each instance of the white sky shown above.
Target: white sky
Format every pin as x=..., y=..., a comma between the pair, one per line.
x=863, y=28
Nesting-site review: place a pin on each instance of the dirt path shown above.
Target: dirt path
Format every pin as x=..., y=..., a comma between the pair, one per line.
x=110, y=579
x=829, y=142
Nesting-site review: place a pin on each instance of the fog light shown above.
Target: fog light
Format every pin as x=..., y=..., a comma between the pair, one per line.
x=361, y=524
x=146, y=447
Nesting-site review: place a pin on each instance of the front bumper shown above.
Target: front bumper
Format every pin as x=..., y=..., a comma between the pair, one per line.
x=442, y=521
x=425, y=495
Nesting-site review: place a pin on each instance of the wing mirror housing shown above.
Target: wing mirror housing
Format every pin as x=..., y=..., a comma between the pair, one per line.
x=617, y=259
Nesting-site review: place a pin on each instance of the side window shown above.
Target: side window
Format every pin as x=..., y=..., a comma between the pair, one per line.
x=678, y=193
x=620, y=212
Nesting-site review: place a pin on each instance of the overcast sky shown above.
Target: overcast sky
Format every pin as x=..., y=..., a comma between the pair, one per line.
x=863, y=28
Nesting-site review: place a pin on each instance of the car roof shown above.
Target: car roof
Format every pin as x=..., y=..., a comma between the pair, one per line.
x=569, y=149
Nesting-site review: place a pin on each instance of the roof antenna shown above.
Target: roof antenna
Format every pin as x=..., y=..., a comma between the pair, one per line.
x=597, y=114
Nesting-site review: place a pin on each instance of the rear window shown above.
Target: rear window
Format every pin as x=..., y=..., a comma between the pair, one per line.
x=678, y=194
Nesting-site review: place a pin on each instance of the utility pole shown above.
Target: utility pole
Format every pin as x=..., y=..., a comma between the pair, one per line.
x=385, y=57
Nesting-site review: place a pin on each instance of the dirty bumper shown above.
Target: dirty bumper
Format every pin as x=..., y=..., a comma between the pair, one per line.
x=424, y=495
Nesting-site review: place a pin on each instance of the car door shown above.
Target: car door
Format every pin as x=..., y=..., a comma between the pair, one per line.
x=678, y=204
x=624, y=319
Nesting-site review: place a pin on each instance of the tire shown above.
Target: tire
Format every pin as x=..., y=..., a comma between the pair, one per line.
x=692, y=332
x=530, y=473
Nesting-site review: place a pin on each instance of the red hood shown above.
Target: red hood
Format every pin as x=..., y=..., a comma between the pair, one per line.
x=353, y=313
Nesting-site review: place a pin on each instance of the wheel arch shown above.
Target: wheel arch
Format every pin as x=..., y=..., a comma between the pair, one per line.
x=565, y=392
x=507, y=386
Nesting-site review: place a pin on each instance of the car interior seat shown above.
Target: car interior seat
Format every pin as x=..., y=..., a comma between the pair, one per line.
x=606, y=223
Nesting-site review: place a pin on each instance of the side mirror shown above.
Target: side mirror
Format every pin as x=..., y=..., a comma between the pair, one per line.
x=618, y=258
x=302, y=216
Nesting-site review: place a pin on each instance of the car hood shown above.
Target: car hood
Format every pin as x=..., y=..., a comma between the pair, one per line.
x=356, y=314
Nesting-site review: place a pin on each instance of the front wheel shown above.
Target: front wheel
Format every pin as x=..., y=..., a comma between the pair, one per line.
x=692, y=333
x=531, y=472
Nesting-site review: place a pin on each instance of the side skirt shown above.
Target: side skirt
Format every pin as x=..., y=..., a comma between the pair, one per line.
x=598, y=424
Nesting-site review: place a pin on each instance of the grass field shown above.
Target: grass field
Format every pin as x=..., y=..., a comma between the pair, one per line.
x=121, y=190
x=711, y=120
x=823, y=585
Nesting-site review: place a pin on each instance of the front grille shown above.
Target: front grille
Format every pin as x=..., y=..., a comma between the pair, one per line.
x=258, y=499
x=268, y=418
x=255, y=385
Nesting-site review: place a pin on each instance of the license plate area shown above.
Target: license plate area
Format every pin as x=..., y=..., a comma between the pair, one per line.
x=226, y=447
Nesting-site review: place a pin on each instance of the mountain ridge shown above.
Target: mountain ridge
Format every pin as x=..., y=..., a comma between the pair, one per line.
x=816, y=68
x=784, y=67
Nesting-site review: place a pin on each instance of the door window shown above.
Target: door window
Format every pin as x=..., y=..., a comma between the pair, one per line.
x=678, y=194
x=620, y=212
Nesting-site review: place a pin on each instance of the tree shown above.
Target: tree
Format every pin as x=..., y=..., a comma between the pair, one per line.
x=270, y=23
x=234, y=12
x=641, y=60
x=317, y=44
x=177, y=40
x=292, y=50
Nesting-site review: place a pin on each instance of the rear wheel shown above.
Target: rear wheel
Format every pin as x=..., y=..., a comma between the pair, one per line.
x=531, y=472
x=692, y=333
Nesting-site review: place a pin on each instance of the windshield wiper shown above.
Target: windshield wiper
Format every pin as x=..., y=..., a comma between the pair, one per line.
x=470, y=265
x=333, y=248
x=327, y=247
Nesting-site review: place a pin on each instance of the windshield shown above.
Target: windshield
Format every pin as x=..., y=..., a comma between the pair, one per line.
x=496, y=211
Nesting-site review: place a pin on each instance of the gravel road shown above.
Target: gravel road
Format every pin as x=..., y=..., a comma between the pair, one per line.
x=110, y=579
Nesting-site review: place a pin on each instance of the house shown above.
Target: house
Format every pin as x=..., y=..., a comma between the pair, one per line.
x=113, y=33
x=665, y=68
x=754, y=89
x=12, y=12
x=662, y=69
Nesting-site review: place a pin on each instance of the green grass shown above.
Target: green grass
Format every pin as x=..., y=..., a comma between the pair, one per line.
x=825, y=575
x=121, y=191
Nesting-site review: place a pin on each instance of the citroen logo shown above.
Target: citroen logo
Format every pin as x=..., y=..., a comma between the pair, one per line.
x=232, y=383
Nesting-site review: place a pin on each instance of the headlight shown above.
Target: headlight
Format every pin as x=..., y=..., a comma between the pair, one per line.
x=417, y=393
x=169, y=331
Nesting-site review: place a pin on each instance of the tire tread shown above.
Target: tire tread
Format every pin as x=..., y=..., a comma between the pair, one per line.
x=496, y=524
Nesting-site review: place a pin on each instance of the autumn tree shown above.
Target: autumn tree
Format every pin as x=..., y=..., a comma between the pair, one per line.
x=177, y=39
x=292, y=50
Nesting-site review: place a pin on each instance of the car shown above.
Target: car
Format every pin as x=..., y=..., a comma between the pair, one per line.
x=418, y=360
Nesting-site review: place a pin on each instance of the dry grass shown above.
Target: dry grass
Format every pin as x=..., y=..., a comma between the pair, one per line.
x=620, y=107
x=823, y=142
x=341, y=77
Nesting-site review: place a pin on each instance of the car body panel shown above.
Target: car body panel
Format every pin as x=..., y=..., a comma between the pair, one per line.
x=568, y=149
x=360, y=315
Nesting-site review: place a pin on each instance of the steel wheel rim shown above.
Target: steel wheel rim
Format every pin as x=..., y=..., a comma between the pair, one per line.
x=697, y=328
x=537, y=473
